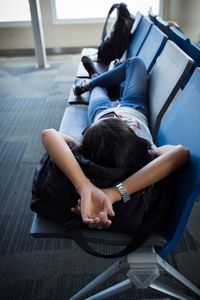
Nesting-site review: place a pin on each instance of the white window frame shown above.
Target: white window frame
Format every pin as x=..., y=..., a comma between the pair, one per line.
x=56, y=21
x=15, y=24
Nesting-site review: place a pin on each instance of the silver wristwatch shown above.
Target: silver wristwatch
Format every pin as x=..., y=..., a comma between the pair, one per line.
x=123, y=192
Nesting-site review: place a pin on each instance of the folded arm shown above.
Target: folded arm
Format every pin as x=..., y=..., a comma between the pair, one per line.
x=56, y=144
x=169, y=159
x=95, y=205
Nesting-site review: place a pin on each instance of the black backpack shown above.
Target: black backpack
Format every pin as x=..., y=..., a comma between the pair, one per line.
x=113, y=47
x=53, y=195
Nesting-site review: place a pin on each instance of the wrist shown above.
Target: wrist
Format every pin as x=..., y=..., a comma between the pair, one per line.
x=113, y=194
x=82, y=183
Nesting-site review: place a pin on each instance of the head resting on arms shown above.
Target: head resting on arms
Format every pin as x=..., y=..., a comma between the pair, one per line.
x=110, y=142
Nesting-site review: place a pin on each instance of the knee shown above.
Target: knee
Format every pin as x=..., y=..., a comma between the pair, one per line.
x=135, y=61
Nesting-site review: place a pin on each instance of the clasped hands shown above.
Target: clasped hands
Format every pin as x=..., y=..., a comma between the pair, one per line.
x=95, y=205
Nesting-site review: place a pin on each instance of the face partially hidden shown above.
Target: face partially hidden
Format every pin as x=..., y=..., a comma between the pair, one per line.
x=111, y=142
x=101, y=121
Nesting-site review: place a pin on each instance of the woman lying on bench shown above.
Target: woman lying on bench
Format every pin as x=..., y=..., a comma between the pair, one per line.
x=118, y=137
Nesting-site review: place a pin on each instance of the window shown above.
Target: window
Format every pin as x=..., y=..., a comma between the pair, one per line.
x=77, y=10
x=14, y=11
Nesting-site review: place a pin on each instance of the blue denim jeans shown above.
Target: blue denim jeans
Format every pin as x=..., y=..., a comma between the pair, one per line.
x=132, y=73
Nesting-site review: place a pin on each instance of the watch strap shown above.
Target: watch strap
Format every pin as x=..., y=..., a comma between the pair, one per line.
x=123, y=192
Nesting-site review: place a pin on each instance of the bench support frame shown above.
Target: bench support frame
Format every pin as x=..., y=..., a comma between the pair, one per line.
x=142, y=269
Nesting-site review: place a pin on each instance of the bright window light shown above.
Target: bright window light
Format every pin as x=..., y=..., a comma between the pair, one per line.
x=14, y=11
x=79, y=9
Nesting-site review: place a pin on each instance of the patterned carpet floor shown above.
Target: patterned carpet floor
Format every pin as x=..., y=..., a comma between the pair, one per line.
x=49, y=269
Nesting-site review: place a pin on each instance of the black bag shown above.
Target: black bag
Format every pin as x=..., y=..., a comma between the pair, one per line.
x=113, y=47
x=53, y=195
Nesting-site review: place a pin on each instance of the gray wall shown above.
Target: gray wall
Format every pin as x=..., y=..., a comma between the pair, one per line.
x=185, y=12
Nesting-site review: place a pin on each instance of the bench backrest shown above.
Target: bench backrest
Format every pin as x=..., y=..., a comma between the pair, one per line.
x=181, y=125
x=165, y=79
x=195, y=53
x=163, y=25
x=183, y=41
x=138, y=18
x=152, y=17
x=152, y=47
x=138, y=37
x=180, y=39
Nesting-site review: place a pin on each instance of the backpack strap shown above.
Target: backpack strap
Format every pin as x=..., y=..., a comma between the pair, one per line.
x=151, y=223
x=104, y=32
x=78, y=236
x=138, y=238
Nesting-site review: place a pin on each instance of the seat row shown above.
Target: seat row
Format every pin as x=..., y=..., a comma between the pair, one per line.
x=169, y=67
x=180, y=38
x=174, y=106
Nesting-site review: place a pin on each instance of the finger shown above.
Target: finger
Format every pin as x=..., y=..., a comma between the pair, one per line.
x=104, y=222
x=98, y=226
x=103, y=217
x=87, y=220
x=78, y=208
x=97, y=220
x=111, y=211
x=107, y=225
x=78, y=205
x=74, y=210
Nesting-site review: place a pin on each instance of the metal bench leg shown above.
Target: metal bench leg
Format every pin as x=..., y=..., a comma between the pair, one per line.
x=174, y=273
x=169, y=291
x=145, y=268
x=113, y=290
x=112, y=270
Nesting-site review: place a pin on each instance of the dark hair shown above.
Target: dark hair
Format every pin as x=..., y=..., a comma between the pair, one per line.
x=110, y=142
